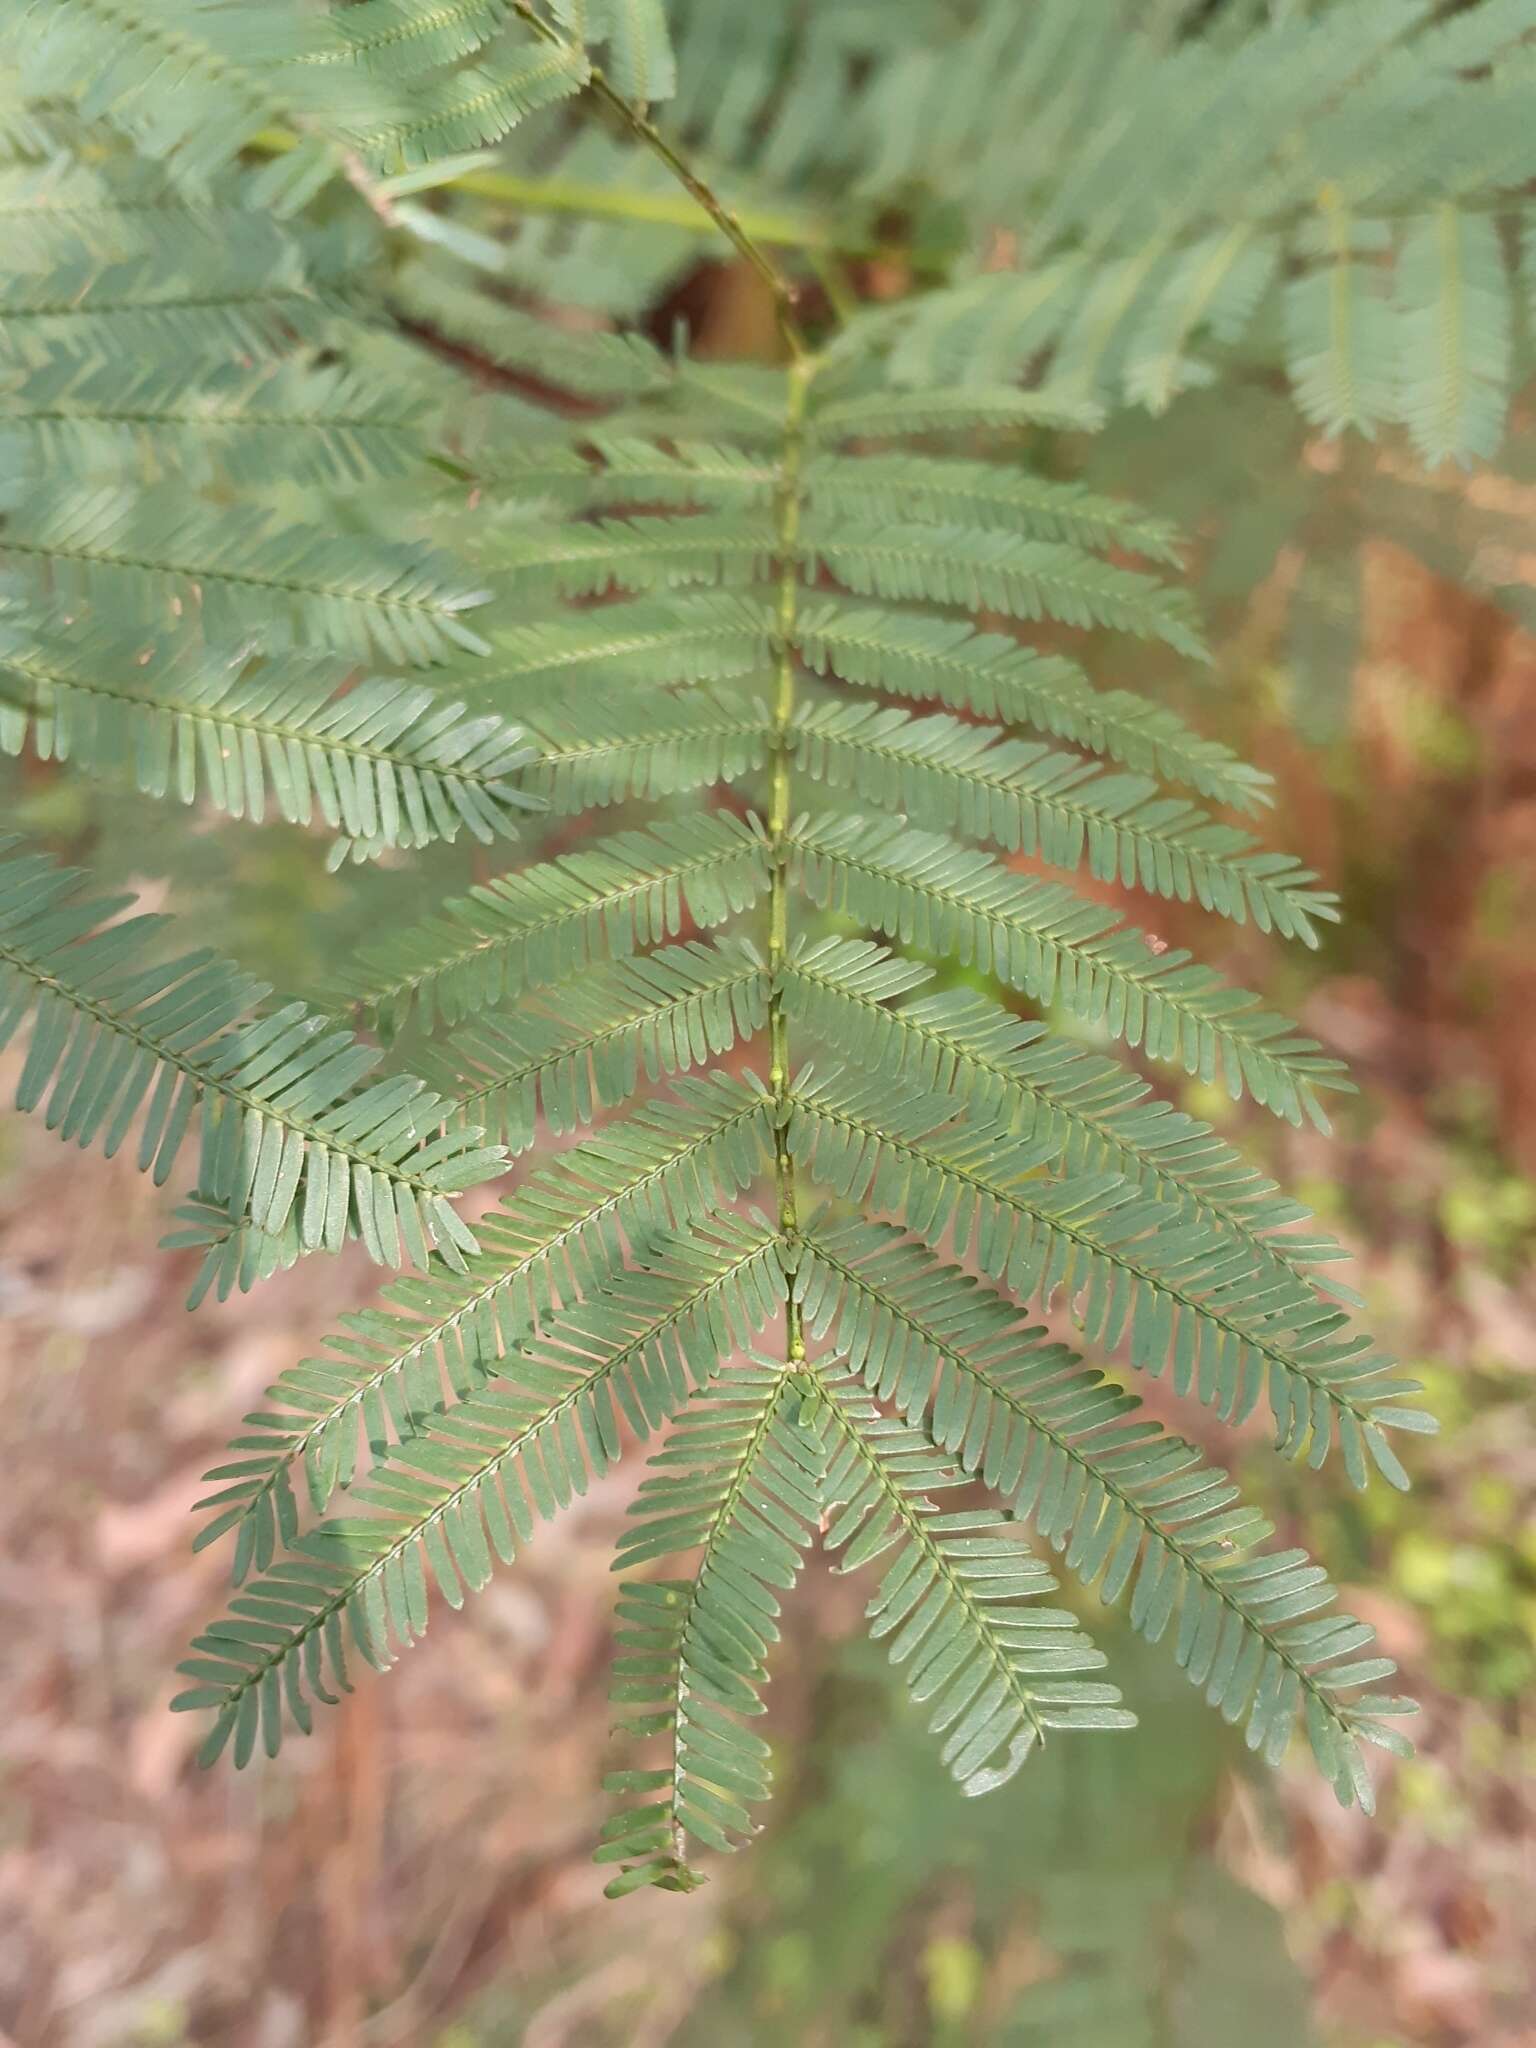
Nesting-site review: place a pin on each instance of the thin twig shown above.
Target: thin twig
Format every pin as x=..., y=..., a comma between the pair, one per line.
x=726, y=219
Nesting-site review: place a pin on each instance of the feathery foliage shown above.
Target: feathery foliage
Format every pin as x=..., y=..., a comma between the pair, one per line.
x=795, y=664
x=286, y=1122
x=1348, y=162
x=388, y=764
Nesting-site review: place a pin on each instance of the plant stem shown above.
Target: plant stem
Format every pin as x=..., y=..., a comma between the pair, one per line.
x=787, y=529
x=650, y=209
x=748, y=241
x=802, y=367
x=600, y=202
x=725, y=219
x=644, y=129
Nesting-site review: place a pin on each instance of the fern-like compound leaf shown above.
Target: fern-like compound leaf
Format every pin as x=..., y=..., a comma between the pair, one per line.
x=528, y=930
x=386, y=764
x=1133, y=1509
x=740, y=1482
x=568, y=986
x=954, y=1599
x=829, y=642
x=278, y=1100
x=467, y=1484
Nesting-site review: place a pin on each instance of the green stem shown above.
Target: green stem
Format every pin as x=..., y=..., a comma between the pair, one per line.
x=787, y=529
x=748, y=241
x=802, y=366
x=599, y=202
x=639, y=124
x=650, y=209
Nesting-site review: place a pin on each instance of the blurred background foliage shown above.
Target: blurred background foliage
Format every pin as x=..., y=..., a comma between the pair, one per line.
x=418, y=1873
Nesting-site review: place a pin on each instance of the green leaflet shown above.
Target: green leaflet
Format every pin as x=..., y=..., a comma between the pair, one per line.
x=1025, y=798
x=1227, y=1321
x=609, y=752
x=1339, y=333
x=1046, y=940
x=885, y=488
x=562, y=1237
x=977, y=568
x=403, y=38
x=278, y=1102
x=741, y=1482
x=118, y=420
x=633, y=35
x=1133, y=1509
x=244, y=294
x=527, y=930
x=1148, y=247
x=1096, y=1114
x=386, y=1375
x=648, y=640
x=471, y=1481
x=914, y=655
x=153, y=555
x=465, y=110
x=589, y=1044
x=193, y=85
x=1454, y=323
x=593, y=365
x=989, y=571
x=386, y=764
x=998, y=1675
